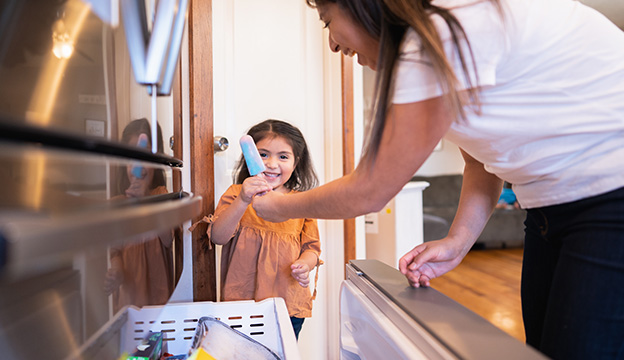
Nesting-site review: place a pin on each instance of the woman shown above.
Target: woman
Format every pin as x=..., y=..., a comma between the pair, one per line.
x=532, y=92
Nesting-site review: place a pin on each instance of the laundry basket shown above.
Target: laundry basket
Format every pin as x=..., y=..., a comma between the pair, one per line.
x=265, y=321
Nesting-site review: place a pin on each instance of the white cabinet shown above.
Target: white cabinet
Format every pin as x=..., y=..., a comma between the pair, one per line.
x=398, y=227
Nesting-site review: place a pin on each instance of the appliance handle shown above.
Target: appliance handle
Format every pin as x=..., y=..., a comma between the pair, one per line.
x=159, y=40
x=135, y=26
x=12, y=132
x=88, y=230
x=3, y=251
x=174, y=48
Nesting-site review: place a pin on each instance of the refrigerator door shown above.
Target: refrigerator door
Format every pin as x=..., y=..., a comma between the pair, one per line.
x=72, y=254
x=65, y=69
x=91, y=219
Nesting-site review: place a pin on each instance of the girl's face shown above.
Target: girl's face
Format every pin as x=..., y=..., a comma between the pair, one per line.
x=348, y=36
x=279, y=161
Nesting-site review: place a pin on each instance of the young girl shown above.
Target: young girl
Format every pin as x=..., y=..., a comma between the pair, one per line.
x=261, y=259
x=141, y=272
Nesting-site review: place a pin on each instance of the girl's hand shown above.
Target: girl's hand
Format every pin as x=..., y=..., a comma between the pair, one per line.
x=139, y=187
x=252, y=186
x=114, y=278
x=301, y=272
x=429, y=260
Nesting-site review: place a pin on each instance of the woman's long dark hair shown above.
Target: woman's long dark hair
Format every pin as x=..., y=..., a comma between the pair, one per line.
x=303, y=176
x=135, y=128
x=388, y=21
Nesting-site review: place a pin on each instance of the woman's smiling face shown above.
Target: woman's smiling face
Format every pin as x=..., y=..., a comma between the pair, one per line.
x=348, y=36
x=279, y=160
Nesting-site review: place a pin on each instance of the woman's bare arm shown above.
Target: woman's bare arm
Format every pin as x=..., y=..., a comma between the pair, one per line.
x=410, y=135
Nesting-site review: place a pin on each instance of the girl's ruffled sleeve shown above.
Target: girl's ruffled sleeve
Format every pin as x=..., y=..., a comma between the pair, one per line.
x=310, y=237
x=226, y=200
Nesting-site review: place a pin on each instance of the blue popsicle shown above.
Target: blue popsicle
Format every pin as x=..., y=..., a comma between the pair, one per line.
x=252, y=157
x=137, y=170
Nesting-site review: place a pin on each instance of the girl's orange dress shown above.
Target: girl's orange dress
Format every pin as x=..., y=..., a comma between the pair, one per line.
x=256, y=262
x=148, y=271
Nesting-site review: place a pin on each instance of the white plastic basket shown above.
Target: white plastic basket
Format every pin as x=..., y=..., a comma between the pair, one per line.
x=265, y=321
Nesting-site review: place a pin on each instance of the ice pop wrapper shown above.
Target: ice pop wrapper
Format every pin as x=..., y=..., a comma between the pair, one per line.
x=252, y=157
x=137, y=170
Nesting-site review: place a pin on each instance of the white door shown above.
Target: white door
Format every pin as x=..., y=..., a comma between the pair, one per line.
x=268, y=63
x=268, y=59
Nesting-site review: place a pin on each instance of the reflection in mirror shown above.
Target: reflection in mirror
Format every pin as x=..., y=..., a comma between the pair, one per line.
x=141, y=271
x=83, y=232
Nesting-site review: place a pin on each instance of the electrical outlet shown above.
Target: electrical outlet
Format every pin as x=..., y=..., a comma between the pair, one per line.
x=95, y=127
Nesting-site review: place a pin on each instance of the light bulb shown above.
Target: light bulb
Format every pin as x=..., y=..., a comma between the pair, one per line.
x=62, y=45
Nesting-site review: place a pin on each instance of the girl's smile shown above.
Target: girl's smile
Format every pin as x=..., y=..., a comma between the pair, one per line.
x=279, y=160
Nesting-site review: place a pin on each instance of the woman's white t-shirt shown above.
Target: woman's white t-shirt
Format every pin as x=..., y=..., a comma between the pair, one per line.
x=551, y=74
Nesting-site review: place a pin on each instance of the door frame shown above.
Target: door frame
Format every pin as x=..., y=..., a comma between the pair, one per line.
x=348, y=147
x=201, y=144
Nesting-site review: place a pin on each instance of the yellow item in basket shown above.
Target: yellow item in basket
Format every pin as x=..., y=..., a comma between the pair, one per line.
x=200, y=354
x=225, y=343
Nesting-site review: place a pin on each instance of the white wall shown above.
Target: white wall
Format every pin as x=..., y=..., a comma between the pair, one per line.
x=445, y=160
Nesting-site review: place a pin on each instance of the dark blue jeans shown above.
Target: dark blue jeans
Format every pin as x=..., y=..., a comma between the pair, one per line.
x=297, y=323
x=573, y=278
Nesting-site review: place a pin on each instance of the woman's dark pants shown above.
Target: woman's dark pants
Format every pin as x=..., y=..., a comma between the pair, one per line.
x=573, y=278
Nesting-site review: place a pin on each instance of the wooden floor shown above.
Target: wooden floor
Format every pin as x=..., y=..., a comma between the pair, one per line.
x=488, y=283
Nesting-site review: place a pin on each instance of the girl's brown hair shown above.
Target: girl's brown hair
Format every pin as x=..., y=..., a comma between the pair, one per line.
x=135, y=128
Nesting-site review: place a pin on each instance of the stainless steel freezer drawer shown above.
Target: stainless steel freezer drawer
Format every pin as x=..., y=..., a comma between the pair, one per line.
x=381, y=315
x=56, y=232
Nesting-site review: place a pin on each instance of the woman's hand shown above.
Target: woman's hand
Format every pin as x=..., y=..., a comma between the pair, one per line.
x=479, y=193
x=252, y=186
x=267, y=206
x=226, y=223
x=429, y=260
x=301, y=272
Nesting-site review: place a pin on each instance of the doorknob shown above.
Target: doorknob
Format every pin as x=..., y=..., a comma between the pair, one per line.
x=221, y=143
